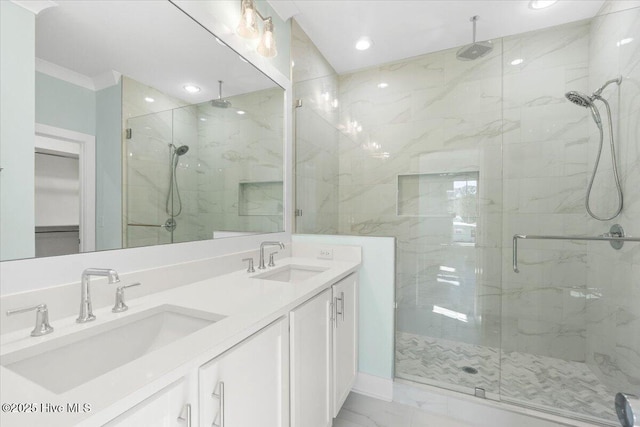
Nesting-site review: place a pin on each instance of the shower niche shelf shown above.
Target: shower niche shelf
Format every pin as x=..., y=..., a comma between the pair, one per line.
x=260, y=198
x=451, y=194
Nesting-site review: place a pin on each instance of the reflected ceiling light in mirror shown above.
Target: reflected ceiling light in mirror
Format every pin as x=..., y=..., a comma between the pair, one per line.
x=240, y=112
x=624, y=41
x=248, y=28
x=149, y=99
x=517, y=61
x=191, y=88
x=363, y=43
x=541, y=4
x=383, y=85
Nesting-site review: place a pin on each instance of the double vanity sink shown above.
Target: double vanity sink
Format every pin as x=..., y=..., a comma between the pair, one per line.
x=161, y=335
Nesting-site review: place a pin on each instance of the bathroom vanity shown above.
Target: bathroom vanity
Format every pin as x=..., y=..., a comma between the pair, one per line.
x=277, y=347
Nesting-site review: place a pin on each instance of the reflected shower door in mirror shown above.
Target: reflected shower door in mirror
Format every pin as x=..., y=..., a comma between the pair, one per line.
x=171, y=165
x=205, y=170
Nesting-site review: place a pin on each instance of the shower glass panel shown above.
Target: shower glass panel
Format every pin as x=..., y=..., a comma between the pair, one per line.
x=147, y=178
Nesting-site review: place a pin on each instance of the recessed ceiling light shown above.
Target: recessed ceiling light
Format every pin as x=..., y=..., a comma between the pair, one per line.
x=541, y=4
x=203, y=119
x=624, y=41
x=517, y=61
x=191, y=88
x=383, y=85
x=240, y=112
x=363, y=43
x=149, y=99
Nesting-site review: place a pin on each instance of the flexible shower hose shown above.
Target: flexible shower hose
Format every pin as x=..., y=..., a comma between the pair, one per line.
x=613, y=161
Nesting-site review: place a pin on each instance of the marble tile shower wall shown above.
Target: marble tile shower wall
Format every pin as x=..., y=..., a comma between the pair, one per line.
x=237, y=149
x=317, y=137
x=437, y=116
x=613, y=305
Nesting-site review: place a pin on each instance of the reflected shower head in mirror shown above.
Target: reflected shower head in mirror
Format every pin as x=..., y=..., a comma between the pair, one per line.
x=220, y=103
x=181, y=150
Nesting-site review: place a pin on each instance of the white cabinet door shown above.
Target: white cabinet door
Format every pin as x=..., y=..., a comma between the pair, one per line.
x=166, y=408
x=310, y=335
x=247, y=385
x=345, y=339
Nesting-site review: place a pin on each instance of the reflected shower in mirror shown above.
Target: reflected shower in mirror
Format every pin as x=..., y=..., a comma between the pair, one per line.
x=135, y=106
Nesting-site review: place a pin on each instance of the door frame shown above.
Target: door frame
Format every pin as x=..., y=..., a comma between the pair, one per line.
x=68, y=142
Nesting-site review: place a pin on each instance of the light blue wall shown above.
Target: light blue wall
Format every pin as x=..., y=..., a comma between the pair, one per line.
x=377, y=299
x=65, y=105
x=17, y=127
x=109, y=167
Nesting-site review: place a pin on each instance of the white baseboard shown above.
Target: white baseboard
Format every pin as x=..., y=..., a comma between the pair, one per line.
x=372, y=386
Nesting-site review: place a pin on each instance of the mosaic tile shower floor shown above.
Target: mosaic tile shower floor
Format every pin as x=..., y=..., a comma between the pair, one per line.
x=529, y=379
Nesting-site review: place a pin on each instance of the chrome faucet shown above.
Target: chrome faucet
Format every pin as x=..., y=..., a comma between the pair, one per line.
x=262, y=245
x=86, y=312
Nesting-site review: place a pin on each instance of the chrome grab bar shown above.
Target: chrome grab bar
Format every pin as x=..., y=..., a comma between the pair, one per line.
x=146, y=225
x=615, y=236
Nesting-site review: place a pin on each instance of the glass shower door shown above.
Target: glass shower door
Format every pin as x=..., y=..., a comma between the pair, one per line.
x=147, y=178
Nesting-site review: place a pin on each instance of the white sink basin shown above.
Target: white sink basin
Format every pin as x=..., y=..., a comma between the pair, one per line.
x=291, y=273
x=62, y=364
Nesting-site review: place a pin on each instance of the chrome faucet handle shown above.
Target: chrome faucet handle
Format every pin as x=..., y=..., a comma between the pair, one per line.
x=271, y=263
x=120, y=306
x=250, y=268
x=42, y=319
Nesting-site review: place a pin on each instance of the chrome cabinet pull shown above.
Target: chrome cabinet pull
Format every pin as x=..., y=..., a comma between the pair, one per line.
x=220, y=397
x=341, y=299
x=185, y=414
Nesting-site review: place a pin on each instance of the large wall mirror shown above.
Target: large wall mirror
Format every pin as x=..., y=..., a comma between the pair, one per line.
x=149, y=130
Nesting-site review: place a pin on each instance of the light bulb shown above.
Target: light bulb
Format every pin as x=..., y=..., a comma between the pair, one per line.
x=267, y=45
x=248, y=27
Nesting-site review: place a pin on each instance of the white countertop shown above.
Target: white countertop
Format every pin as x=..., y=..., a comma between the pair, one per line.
x=249, y=304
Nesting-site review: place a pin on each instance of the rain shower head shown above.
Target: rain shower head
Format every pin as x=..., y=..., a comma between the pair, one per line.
x=474, y=50
x=220, y=103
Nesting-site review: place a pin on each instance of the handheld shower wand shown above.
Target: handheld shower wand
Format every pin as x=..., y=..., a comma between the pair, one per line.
x=587, y=101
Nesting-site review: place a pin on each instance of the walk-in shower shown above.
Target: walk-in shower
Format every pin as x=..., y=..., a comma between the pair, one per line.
x=588, y=101
x=453, y=158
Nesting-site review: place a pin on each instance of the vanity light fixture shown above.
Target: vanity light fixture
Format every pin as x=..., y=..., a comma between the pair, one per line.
x=248, y=28
x=363, y=43
x=541, y=4
x=191, y=88
x=149, y=99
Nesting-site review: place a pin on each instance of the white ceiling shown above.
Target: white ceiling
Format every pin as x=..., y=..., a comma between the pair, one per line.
x=150, y=41
x=404, y=28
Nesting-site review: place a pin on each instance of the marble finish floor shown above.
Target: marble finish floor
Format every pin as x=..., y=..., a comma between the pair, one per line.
x=363, y=411
x=527, y=379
